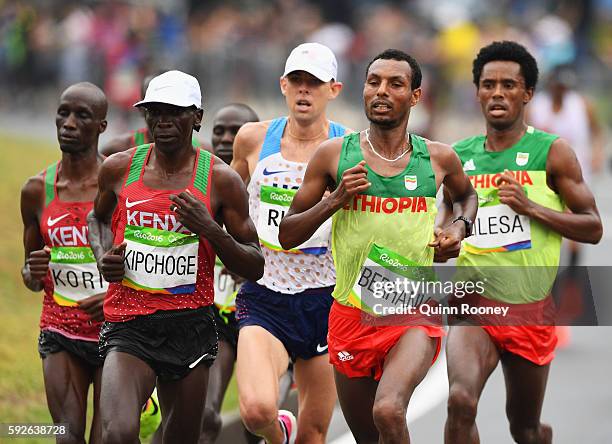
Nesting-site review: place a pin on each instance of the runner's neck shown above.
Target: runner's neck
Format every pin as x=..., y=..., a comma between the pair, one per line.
x=500, y=140
x=174, y=162
x=300, y=133
x=389, y=142
x=76, y=166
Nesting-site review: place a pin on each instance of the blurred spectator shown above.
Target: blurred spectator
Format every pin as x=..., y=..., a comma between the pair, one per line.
x=562, y=110
x=236, y=47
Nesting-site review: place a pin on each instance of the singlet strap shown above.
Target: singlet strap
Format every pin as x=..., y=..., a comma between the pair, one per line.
x=271, y=144
x=50, y=174
x=419, y=145
x=195, y=142
x=202, y=175
x=139, y=137
x=272, y=141
x=137, y=163
x=336, y=130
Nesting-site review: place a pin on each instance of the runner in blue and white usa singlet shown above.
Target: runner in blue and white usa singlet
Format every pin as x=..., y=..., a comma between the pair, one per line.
x=271, y=189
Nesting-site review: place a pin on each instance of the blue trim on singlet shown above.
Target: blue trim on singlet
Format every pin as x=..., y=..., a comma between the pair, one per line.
x=272, y=142
x=335, y=130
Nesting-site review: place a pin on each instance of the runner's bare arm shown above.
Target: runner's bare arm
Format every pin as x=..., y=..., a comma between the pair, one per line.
x=247, y=146
x=308, y=210
x=445, y=211
x=110, y=178
x=458, y=186
x=459, y=199
x=238, y=245
x=117, y=144
x=443, y=219
x=583, y=223
x=37, y=256
x=99, y=234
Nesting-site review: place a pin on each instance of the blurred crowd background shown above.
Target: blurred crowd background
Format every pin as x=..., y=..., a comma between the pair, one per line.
x=237, y=48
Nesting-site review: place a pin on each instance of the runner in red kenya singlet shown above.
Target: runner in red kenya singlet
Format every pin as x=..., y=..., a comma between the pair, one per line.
x=140, y=136
x=59, y=261
x=168, y=203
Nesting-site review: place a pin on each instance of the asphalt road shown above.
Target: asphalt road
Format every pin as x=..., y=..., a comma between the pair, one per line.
x=578, y=401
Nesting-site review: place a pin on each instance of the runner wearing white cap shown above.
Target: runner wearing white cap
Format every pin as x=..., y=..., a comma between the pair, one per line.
x=130, y=139
x=283, y=316
x=168, y=203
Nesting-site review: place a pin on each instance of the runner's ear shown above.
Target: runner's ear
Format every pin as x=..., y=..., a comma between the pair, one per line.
x=102, y=126
x=199, y=114
x=416, y=96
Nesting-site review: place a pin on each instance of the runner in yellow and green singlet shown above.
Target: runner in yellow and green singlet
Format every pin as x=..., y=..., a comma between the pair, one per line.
x=525, y=180
x=384, y=183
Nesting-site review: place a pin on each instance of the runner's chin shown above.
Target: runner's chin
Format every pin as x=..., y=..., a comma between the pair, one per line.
x=70, y=145
x=166, y=143
x=225, y=153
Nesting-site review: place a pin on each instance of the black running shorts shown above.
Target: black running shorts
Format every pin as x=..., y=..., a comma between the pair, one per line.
x=171, y=342
x=54, y=342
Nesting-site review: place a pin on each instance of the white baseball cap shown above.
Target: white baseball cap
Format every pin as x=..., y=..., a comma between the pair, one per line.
x=174, y=88
x=315, y=59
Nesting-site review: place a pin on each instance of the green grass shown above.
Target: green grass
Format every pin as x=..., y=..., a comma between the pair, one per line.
x=22, y=395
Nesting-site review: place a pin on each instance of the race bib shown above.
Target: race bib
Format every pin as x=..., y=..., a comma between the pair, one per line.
x=498, y=229
x=389, y=282
x=225, y=287
x=274, y=204
x=75, y=275
x=160, y=261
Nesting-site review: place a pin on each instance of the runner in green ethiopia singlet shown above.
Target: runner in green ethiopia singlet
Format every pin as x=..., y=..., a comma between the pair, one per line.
x=501, y=236
x=388, y=226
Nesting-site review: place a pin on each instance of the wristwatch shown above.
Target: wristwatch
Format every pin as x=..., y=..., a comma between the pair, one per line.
x=468, y=225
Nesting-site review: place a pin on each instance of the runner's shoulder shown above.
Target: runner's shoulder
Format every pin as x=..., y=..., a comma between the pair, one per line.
x=33, y=189
x=250, y=137
x=224, y=177
x=327, y=156
x=222, y=171
x=119, y=143
x=561, y=154
x=468, y=143
x=442, y=153
x=331, y=147
x=115, y=166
